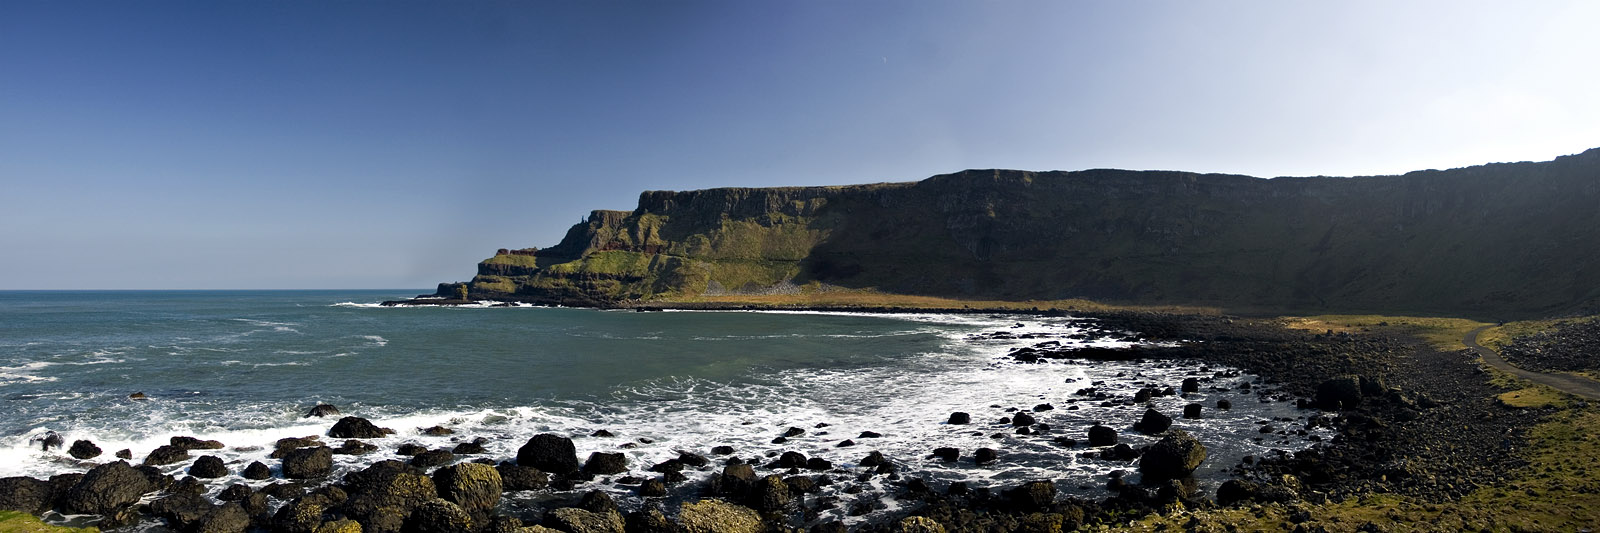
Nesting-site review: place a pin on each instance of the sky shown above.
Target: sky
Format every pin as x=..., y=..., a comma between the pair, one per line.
x=292, y=144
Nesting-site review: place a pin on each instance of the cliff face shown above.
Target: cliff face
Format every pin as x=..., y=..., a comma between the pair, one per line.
x=1492, y=241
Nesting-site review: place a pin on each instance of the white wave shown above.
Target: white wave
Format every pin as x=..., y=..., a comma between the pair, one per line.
x=376, y=340
x=359, y=305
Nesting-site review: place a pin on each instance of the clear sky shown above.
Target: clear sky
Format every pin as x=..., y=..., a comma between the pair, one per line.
x=345, y=144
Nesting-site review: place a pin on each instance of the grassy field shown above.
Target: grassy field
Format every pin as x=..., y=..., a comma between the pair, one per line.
x=865, y=299
x=1441, y=333
x=19, y=522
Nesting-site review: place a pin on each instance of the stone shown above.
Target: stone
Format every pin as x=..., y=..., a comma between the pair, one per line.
x=438, y=515
x=960, y=418
x=475, y=487
x=550, y=453
x=1174, y=456
x=717, y=516
x=575, y=520
x=515, y=477
x=166, y=455
x=355, y=427
x=308, y=463
x=209, y=467
x=602, y=463
x=432, y=458
x=83, y=449
x=191, y=443
x=1192, y=411
x=1339, y=393
x=321, y=410
x=1022, y=420
x=1153, y=422
x=919, y=524
x=355, y=447
x=1102, y=436
x=181, y=510
x=106, y=488
x=25, y=494
x=947, y=454
x=1032, y=496
x=985, y=456
x=256, y=471
x=229, y=517
x=1190, y=385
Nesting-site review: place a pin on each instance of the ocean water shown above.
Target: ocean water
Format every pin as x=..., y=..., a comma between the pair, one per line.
x=243, y=367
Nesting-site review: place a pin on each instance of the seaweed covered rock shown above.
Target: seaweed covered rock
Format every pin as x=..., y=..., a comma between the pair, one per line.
x=717, y=516
x=438, y=515
x=308, y=463
x=550, y=453
x=475, y=487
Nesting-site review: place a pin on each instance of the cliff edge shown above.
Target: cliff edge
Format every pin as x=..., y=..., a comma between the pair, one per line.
x=1494, y=241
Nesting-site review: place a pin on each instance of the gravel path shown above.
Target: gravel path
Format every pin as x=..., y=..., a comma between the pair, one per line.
x=1570, y=384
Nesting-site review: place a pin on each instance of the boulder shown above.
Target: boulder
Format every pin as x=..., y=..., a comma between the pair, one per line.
x=515, y=477
x=818, y=463
x=166, y=455
x=355, y=447
x=321, y=410
x=229, y=517
x=694, y=460
x=1030, y=497
x=51, y=440
x=717, y=516
x=438, y=431
x=985, y=456
x=475, y=487
x=876, y=458
x=721, y=450
x=181, y=510
x=256, y=471
x=286, y=445
x=1192, y=411
x=1102, y=436
x=960, y=418
x=1224, y=404
x=208, y=467
x=469, y=448
x=919, y=524
x=947, y=454
x=438, y=515
x=355, y=427
x=83, y=449
x=191, y=443
x=791, y=460
x=1022, y=420
x=106, y=488
x=602, y=463
x=235, y=492
x=384, y=494
x=1190, y=385
x=1121, y=452
x=1174, y=456
x=1236, y=490
x=433, y=458
x=1153, y=422
x=653, y=488
x=575, y=520
x=770, y=494
x=650, y=520
x=869, y=435
x=550, y=453
x=735, y=481
x=343, y=525
x=308, y=463
x=1339, y=393
x=793, y=432
x=25, y=494
x=410, y=449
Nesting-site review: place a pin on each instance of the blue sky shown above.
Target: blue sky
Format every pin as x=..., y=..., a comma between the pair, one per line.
x=301, y=144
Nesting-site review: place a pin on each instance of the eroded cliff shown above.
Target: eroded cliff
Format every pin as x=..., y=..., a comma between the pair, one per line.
x=1491, y=241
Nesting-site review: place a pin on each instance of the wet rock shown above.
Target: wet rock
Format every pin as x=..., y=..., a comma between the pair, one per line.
x=1174, y=456
x=469, y=448
x=182, y=510
x=1102, y=436
x=800, y=484
x=308, y=463
x=735, y=481
x=256, y=471
x=792, y=460
x=125, y=454
x=229, y=517
x=1031, y=497
x=355, y=447
x=410, y=449
x=653, y=488
x=1022, y=420
x=438, y=431
x=381, y=496
x=721, y=450
x=106, y=488
x=343, y=525
x=1234, y=491
x=869, y=435
x=770, y=494
x=1192, y=411
x=438, y=515
x=166, y=455
x=209, y=467
x=574, y=520
x=191, y=443
x=1120, y=452
x=283, y=446
x=138, y=396
x=716, y=516
x=876, y=458
x=83, y=449
x=25, y=494
x=960, y=418
x=694, y=460
x=845, y=444
x=517, y=477
x=919, y=524
x=793, y=432
x=1190, y=385
x=1224, y=405
x=985, y=456
x=321, y=410
x=1043, y=407
x=602, y=463
x=1339, y=393
x=355, y=427
x=475, y=487
x=432, y=458
x=1153, y=422
x=235, y=492
x=818, y=463
x=550, y=453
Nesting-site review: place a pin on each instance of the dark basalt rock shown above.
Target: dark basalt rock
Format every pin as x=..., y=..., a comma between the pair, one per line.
x=256, y=471
x=721, y=450
x=515, y=477
x=410, y=449
x=354, y=427
x=602, y=463
x=960, y=418
x=322, y=410
x=308, y=463
x=469, y=448
x=384, y=494
x=1224, y=404
x=1235, y=491
x=475, y=487
x=1192, y=411
x=1121, y=452
x=106, y=488
x=1033, y=496
x=438, y=515
x=83, y=449
x=1153, y=422
x=229, y=517
x=209, y=467
x=433, y=458
x=166, y=455
x=1174, y=456
x=438, y=431
x=1022, y=420
x=869, y=435
x=1190, y=385
x=947, y=454
x=235, y=492
x=550, y=453
x=694, y=460
x=985, y=456
x=793, y=432
x=191, y=443
x=653, y=488
x=355, y=447
x=182, y=510
x=25, y=494
x=283, y=446
x=1102, y=436
x=1339, y=393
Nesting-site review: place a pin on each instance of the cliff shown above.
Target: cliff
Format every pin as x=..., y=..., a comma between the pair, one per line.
x=1493, y=241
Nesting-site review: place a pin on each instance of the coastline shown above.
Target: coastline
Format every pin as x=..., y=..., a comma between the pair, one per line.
x=1252, y=344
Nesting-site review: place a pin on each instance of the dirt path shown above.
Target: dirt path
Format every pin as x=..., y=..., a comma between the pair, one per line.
x=1574, y=385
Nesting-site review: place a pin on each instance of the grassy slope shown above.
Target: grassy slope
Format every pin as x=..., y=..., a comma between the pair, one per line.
x=19, y=522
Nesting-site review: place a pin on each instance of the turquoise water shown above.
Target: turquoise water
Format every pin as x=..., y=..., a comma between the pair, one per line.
x=242, y=367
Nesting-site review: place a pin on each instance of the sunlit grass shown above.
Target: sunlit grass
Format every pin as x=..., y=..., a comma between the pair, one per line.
x=1439, y=332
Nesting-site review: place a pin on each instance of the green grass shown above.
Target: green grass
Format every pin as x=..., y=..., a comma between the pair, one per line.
x=1441, y=333
x=19, y=522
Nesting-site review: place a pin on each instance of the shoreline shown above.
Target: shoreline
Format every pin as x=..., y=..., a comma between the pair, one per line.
x=1217, y=339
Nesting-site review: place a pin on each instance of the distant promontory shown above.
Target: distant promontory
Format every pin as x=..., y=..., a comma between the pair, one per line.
x=1496, y=241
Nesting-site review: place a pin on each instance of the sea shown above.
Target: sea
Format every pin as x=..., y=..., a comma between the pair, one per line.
x=244, y=367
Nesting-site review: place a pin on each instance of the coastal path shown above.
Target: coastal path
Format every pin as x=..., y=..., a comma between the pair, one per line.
x=1574, y=385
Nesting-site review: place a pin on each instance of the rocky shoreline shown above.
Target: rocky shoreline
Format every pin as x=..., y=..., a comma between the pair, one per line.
x=1398, y=409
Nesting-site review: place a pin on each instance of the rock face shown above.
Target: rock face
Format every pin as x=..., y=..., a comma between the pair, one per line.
x=1018, y=235
x=24, y=494
x=106, y=488
x=550, y=453
x=1174, y=456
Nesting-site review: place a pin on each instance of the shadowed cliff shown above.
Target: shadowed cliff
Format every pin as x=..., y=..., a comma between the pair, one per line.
x=1493, y=241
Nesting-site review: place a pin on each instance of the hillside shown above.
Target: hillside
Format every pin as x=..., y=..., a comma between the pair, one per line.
x=1496, y=241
